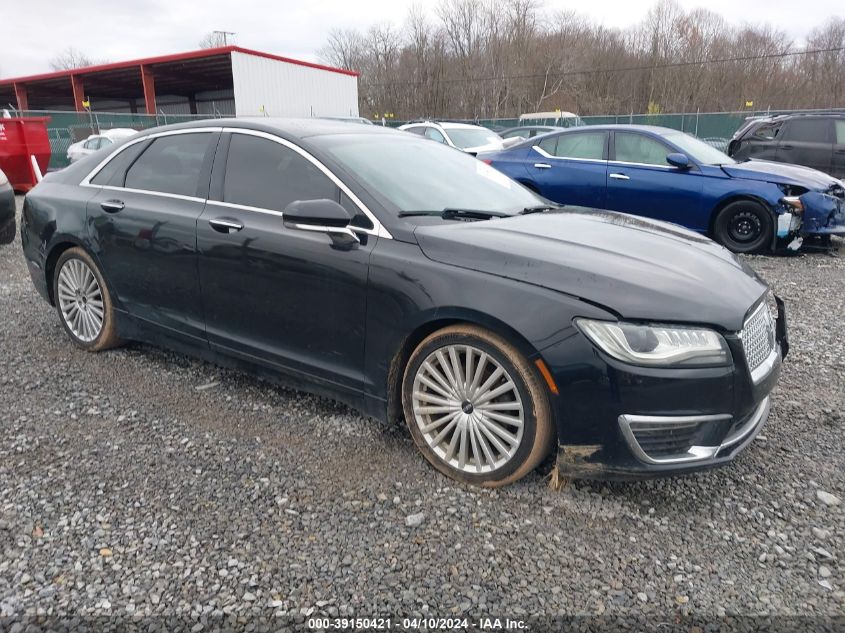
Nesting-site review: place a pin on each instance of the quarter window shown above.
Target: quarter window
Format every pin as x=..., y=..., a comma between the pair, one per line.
x=582, y=145
x=637, y=148
x=114, y=172
x=808, y=130
x=171, y=164
x=265, y=174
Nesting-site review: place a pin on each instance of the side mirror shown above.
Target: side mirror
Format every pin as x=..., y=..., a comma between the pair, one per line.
x=676, y=159
x=323, y=216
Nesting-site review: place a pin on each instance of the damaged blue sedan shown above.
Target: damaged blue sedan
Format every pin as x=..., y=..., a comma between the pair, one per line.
x=749, y=207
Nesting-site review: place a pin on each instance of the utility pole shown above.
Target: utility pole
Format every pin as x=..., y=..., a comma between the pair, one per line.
x=225, y=35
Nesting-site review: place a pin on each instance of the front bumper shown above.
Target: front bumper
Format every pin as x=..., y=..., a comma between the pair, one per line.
x=824, y=214
x=616, y=421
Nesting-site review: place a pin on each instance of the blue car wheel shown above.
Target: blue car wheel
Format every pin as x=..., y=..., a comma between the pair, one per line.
x=744, y=227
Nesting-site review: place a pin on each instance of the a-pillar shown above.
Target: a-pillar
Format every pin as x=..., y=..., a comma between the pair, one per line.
x=148, y=81
x=21, y=96
x=78, y=92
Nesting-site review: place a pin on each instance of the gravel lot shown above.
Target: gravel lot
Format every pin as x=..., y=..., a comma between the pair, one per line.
x=142, y=482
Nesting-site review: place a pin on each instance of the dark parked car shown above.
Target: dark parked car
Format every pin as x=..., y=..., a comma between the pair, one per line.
x=668, y=175
x=812, y=140
x=410, y=280
x=7, y=210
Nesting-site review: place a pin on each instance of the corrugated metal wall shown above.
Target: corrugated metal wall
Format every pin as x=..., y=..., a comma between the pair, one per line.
x=268, y=87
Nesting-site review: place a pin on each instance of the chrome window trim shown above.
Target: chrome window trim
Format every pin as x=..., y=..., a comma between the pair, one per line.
x=378, y=228
x=545, y=154
x=624, y=162
x=695, y=453
x=175, y=196
x=86, y=182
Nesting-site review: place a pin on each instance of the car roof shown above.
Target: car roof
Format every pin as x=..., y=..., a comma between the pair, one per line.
x=290, y=128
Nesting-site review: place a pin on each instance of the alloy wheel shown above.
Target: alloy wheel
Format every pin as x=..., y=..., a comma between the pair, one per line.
x=468, y=408
x=80, y=300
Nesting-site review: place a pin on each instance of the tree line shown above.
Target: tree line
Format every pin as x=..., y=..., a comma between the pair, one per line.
x=499, y=58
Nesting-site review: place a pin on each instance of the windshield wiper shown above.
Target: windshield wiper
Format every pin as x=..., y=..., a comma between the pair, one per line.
x=540, y=208
x=451, y=214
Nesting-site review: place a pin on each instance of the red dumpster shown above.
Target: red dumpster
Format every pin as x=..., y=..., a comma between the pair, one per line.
x=21, y=138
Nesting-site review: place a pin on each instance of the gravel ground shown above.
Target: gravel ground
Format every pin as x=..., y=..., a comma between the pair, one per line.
x=142, y=482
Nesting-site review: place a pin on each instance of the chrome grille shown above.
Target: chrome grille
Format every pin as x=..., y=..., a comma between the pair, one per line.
x=758, y=336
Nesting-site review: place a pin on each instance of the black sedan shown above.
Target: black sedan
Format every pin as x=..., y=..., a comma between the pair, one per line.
x=410, y=280
x=7, y=210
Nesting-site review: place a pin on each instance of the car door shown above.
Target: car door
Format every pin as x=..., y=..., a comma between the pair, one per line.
x=571, y=168
x=807, y=141
x=838, y=170
x=641, y=182
x=142, y=223
x=281, y=296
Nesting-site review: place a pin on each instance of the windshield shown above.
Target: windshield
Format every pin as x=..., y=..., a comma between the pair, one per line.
x=413, y=174
x=698, y=150
x=472, y=137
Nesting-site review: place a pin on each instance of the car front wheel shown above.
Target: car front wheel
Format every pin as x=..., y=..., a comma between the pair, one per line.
x=83, y=301
x=744, y=226
x=476, y=407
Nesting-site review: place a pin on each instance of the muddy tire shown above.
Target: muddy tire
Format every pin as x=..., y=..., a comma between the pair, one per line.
x=83, y=301
x=477, y=409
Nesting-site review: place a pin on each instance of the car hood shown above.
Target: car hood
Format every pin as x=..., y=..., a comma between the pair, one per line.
x=636, y=268
x=781, y=173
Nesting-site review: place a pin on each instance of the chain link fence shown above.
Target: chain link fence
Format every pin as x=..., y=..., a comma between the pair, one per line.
x=716, y=128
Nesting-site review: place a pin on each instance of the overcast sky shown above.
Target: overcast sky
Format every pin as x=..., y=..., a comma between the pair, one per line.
x=118, y=30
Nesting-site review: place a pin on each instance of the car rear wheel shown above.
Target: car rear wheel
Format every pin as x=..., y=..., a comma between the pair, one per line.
x=83, y=301
x=475, y=406
x=744, y=226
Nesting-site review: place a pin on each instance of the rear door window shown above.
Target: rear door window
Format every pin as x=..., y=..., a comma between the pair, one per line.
x=638, y=148
x=808, y=130
x=581, y=145
x=171, y=164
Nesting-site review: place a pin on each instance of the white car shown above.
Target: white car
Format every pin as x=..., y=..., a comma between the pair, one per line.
x=468, y=138
x=95, y=142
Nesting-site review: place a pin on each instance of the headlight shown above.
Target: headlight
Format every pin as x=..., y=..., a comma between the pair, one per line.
x=657, y=345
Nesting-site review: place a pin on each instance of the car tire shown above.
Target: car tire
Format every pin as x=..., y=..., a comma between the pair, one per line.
x=481, y=411
x=744, y=226
x=7, y=232
x=83, y=301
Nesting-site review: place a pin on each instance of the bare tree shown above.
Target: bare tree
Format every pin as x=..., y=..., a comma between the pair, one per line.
x=499, y=58
x=71, y=58
x=215, y=39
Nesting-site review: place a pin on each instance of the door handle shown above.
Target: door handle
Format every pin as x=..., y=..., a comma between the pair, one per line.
x=542, y=166
x=225, y=225
x=786, y=146
x=620, y=177
x=112, y=206
x=840, y=151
